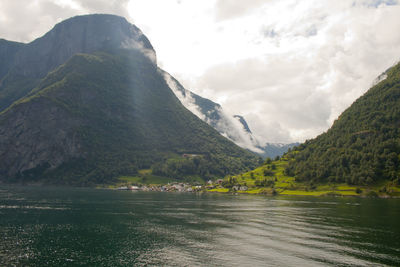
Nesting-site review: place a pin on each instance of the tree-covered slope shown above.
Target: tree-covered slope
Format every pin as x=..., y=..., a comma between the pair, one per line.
x=105, y=115
x=362, y=146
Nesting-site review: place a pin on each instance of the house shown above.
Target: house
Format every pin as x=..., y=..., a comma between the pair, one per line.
x=219, y=181
x=122, y=188
x=133, y=187
x=190, y=155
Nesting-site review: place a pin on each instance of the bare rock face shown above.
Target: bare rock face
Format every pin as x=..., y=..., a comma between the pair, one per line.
x=28, y=141
x=8, y=50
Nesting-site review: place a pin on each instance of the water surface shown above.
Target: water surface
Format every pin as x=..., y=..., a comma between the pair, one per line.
x=89, y=227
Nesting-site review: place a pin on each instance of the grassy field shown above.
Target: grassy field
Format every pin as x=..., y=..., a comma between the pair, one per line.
x=219, y=190
x=270, y=179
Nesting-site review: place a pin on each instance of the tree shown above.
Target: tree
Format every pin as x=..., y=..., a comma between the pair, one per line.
x=267, y=161
x=268, y=172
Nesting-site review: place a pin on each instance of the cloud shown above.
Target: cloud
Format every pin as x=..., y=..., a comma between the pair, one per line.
x=138, y=45
x=227, y=9
x=184, y=96
x=375, y=3
x=232, y=129
x=273, y=94
x=231, y=9
x=25, y=21
x=117, y=7
x=313, y=61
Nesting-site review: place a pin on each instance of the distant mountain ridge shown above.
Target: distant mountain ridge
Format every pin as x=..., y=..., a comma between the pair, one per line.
x=273, y=150
x=86, y=103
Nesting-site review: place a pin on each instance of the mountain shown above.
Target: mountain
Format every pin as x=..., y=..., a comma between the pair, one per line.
x=273, y=150
x=8, y=50
x=87, y=103
x=28, y=64
x=363, y=144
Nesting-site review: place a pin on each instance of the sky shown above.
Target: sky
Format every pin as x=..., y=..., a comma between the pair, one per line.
x=290, y=67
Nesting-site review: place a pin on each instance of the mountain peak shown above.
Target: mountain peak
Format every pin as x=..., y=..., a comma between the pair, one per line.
x=99, y=31
x=80, y=34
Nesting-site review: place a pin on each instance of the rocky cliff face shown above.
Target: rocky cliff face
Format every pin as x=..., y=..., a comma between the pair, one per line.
x=8, y=50
x=29, y=141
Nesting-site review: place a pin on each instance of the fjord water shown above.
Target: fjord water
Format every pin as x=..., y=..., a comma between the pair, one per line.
x=88, y=227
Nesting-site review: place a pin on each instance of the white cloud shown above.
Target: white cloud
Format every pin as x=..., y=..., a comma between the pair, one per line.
x=26, y=20
x=309, y=62
x=228, y=9
x=185, y=97
x=231, y=128
x=290, y=67
x=135, y=44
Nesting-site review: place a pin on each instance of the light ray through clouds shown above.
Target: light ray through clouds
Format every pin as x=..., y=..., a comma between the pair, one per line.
x=289, y=67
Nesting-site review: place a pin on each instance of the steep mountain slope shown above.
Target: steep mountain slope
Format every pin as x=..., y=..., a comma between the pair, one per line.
x=107, y=114
x=362, y=146
x=7, y=54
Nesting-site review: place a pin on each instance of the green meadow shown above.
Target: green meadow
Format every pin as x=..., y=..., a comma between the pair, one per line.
x=270, y=178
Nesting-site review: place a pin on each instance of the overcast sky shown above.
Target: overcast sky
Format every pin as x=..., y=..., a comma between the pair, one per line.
x=289, y=67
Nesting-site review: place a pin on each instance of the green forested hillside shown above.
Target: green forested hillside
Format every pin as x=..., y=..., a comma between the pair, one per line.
x=106, y=115
x=362, y=146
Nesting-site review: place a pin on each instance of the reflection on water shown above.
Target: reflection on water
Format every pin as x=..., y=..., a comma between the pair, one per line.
x=63, y=226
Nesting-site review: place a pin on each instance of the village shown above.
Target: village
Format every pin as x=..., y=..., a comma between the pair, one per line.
x=182, y=187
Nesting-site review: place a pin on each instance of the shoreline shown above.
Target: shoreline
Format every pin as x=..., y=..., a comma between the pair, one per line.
x=367, y=192
x=306, y=195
